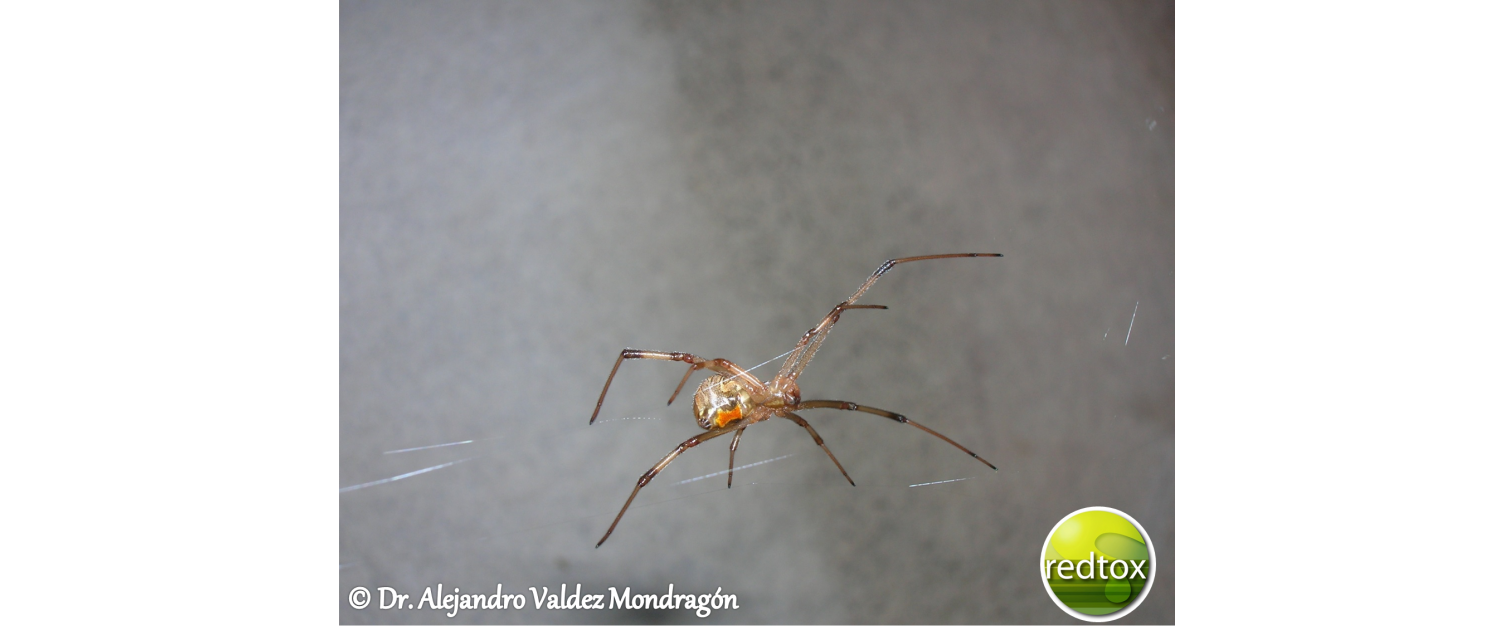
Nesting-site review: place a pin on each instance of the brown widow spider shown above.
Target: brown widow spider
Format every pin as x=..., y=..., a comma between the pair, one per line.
x=730, y=404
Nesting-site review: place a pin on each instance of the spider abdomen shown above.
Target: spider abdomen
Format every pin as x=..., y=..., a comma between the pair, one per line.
x=720, y=402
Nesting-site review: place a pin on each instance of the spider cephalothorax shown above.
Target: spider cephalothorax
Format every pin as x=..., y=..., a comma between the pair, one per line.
x=733, y=399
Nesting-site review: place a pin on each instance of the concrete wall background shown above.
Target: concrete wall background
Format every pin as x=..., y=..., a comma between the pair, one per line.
x=528, y=188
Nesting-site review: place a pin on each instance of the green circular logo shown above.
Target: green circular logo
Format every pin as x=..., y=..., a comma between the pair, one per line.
x=1098, y=564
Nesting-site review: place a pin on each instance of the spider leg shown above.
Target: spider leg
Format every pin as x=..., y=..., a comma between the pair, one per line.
x=850, y=406
x=732, y=446
x=651, y=473
x=718, y=365
x=685, y=375
x=808, y=346
x=819, y=439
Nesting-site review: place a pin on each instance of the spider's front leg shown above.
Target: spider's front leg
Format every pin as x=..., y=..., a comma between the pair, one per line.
x=718, y=365
x=850, y=406
x=651, y=473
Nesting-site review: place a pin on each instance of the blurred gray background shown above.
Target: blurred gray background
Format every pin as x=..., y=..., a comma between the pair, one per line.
x=527, y=188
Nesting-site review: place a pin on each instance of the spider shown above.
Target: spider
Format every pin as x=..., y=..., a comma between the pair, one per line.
x=733, y=399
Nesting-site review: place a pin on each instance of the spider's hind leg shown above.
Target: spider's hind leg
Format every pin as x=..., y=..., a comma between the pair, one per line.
x=717, y=365
x=819, y=439
x=651, y=473
x=735, y=444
